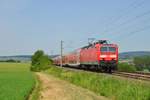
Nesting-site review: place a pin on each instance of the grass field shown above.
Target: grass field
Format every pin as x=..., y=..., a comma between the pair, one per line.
x=16, y=81
x=115, y=88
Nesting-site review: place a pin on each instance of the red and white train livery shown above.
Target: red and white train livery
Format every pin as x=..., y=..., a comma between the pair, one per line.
x=99, y=55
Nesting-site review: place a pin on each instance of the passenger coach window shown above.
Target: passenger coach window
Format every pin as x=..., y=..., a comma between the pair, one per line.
x=112, y=49
x=103, y=49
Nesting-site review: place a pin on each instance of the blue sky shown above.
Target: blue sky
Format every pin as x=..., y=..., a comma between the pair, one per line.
x=28, y=25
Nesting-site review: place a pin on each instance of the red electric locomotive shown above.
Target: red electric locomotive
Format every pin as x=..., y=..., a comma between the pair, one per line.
x=99, y=55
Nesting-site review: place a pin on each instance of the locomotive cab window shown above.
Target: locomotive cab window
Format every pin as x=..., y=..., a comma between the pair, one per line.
x=112, y=49
x=108, y=49
x=104, y=49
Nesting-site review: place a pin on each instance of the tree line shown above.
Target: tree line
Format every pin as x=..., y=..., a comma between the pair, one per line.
x=141, y=63
x=11, y=60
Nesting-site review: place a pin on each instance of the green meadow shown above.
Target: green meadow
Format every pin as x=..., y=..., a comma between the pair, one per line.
x=16, y=81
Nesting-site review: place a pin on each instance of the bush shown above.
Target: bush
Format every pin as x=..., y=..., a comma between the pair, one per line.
x=126, y=67
x=142, y=63
x=40, y=61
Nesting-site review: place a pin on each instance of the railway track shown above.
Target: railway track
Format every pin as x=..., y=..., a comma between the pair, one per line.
x=137, y=75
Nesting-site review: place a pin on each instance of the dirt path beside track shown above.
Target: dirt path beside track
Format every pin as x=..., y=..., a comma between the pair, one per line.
x=55, y=89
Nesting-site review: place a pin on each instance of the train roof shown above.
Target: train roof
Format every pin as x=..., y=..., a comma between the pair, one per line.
x=101, y=42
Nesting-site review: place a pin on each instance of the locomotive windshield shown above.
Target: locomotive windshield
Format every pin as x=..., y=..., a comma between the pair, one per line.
x=108, y=49
x=112, y=49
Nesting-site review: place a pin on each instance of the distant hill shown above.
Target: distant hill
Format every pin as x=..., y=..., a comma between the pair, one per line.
x=20, y=57
x=130, y=55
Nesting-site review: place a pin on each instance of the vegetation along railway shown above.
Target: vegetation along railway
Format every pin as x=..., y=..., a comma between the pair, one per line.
x=135, y=75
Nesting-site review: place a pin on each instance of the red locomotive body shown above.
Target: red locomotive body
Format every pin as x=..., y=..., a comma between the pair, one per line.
x=100, y=55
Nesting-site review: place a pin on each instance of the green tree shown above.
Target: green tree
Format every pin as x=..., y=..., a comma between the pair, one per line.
x=36, y=57
x=40, y=61
x=142, y=62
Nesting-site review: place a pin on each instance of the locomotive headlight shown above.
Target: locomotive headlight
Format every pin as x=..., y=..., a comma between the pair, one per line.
x=113, y=56
x=103, y=56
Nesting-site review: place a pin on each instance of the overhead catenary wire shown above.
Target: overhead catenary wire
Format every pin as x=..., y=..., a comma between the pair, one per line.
x=123, y=10
x=126, y=12
x=128, y=22
x=131, y=20
x=123, y=36
x=134, y=18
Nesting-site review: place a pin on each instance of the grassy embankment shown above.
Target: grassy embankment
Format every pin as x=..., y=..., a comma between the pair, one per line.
x=16, y=81
x=112, y=87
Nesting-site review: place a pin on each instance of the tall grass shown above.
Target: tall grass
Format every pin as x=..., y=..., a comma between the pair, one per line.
x=115, y=88
x=16, y=81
